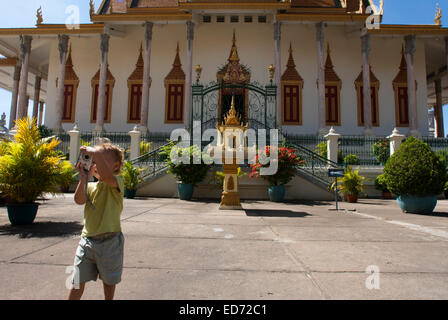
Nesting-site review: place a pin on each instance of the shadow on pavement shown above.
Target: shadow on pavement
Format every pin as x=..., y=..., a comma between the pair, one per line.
x=45, y=229
x=275, y=213
x=433, y=214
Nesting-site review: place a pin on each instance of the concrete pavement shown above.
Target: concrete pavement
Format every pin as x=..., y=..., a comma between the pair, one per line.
x=191, y=250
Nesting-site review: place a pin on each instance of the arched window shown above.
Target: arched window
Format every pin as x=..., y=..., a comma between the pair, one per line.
x=110, y=82
x=175, y=92
x=71, y=83
x=135, y=87
x=374, y=88
x=400, y=85
x=291, y=88
x=332, y=94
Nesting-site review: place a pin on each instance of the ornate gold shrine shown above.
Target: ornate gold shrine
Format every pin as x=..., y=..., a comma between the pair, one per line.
x=233, y=73
x=231, y=140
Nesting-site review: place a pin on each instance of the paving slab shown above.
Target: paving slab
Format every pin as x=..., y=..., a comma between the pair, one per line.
x=192, y=250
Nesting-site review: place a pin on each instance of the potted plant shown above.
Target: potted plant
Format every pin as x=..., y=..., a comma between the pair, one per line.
x=351, y=159
x=29, y=168
x=351, y=185
x=381, y=151
x=380, y=184
x=181, y=164
x=67, y=176
x=321, y=149
x=288, y=162
x=131, y=178
x=416, y=175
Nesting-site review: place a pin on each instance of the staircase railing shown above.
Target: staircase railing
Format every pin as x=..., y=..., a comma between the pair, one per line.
x=315, y=165
x=153, y=162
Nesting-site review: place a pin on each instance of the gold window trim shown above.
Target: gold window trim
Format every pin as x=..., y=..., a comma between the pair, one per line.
x=111, y=84
x=167, y=102
x=299, y=84
x=130, y=84
x=338, y=86
x=376, y=87
x=75, y=92
x=175, y=76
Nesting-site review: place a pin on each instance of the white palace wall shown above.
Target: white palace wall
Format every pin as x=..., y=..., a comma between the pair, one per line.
x=212, y=43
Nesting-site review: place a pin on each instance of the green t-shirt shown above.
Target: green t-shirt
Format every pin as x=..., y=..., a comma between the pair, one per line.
x=108, y=202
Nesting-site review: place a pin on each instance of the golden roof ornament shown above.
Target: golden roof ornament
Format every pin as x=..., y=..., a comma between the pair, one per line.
x=40, y=19
x=92, y=8
x=232, y=118
x=438, y=18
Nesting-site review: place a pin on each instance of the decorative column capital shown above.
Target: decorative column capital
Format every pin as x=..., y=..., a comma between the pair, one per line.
x=410, y=44
x=365, y=43
x=148, y=30
x=320, y=31
x=25, y=45
x=190, y=30
x=17, y=69
x=62, y=46
x=277, y=30
x=104, y=46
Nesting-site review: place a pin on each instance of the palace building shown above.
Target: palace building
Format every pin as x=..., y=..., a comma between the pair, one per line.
x=300, y=65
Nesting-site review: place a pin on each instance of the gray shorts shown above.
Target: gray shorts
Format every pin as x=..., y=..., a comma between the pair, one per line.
x=99, y=257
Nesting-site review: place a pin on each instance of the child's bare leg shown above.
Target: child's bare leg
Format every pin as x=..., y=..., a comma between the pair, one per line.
x=76, y=294
x=109, y=291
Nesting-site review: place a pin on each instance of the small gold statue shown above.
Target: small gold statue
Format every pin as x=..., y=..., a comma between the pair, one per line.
x=438, y=19
x=40, y=19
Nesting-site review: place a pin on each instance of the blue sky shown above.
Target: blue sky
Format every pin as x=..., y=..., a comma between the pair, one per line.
x=23, y=14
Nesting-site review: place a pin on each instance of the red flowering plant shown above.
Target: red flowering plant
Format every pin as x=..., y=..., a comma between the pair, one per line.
x=381, y=150
x=288, y=162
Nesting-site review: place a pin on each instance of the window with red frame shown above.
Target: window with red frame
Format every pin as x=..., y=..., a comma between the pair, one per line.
x=332, y=107
x=107, y=104
x=291, y=105
x=68, y=115
x=175, y=105
x=135, y=103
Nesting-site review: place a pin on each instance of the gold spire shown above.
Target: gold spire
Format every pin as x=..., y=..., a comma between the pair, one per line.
x=92, y=8
x=438, y=18
x=234, y=51
x=232, y=119
x=40, y=19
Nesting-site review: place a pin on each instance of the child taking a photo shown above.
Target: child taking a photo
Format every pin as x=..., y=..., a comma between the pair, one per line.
x=100, y=251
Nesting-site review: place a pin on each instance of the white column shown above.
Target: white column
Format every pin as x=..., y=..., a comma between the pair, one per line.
x=438, y=112
x=75, y=144
x=15, y=95
x=37, y=85
x=41, y=112
x=395, y=141
x=135, y=143
x=25, y=50
x=146, y=77
x=278, y=70
x=366, y=93
x=188, y=81
x=101, y=105
x=320, y=78
x=63, y=48
x=332, y=145
x=409, y=51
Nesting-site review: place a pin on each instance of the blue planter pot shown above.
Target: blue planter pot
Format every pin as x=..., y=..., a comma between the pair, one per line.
x=21, y=213
x=415, y=204
x=130, y=194
x=185, y=191
x=277, y=193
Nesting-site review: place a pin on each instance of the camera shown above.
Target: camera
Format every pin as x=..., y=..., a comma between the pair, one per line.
x=85, y=160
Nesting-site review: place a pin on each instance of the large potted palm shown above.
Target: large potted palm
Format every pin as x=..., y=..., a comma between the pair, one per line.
x=29, y=168
x=417, y=175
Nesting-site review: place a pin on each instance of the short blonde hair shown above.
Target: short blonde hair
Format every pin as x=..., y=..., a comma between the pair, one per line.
x=114, y=150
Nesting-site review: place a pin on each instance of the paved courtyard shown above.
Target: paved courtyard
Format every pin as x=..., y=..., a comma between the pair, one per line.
x=191, y=250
